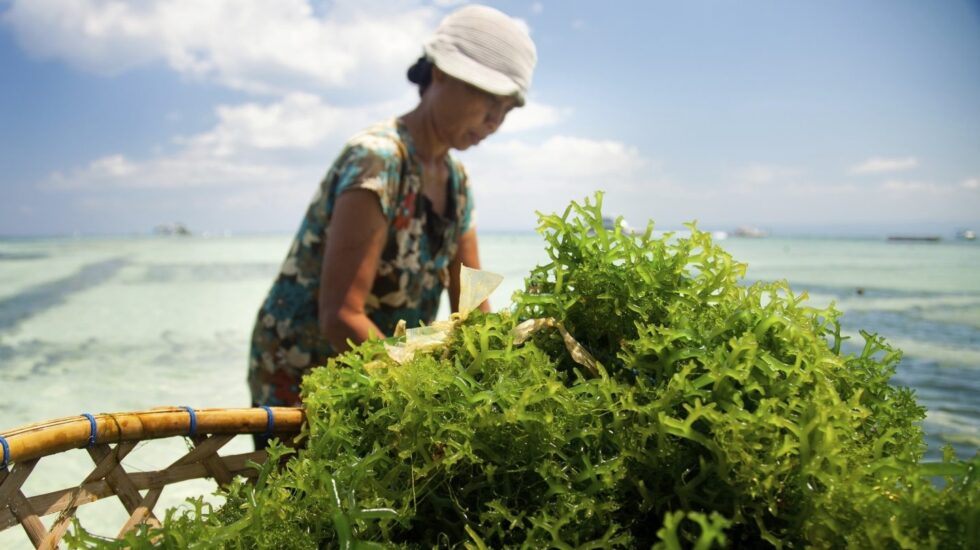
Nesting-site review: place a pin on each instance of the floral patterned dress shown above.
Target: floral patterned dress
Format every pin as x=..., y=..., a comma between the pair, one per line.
x=412, y=273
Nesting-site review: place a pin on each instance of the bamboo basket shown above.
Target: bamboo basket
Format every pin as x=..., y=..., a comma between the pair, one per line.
x=108, y=438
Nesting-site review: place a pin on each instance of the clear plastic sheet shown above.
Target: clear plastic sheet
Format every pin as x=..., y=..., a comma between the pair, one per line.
x=475, y=287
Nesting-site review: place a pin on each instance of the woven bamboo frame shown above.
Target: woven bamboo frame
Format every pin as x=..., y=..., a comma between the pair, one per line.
x=116, y=435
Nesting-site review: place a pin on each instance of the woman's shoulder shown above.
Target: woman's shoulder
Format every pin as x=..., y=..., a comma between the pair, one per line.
x=459, y=170
x=381, y=139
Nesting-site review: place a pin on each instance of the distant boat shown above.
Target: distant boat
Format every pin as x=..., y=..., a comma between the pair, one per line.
x=178, y=229
x=750, y=232
x=609, y=224
x=967, y=235
x=919, y=238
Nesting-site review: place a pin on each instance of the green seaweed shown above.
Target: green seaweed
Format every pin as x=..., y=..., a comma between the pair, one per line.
x=722, y=415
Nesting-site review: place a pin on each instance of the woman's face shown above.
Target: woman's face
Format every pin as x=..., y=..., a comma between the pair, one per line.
x=464, y=114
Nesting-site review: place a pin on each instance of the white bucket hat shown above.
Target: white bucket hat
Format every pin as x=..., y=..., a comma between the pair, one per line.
x=486, y=48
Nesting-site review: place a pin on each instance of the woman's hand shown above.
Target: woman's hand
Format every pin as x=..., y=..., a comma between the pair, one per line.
x=357, y=235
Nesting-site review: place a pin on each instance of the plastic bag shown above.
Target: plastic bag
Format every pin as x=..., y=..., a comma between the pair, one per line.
x=475, y=287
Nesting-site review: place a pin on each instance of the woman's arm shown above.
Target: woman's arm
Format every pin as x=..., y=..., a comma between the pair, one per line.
x=468, y=254
x=357, y=236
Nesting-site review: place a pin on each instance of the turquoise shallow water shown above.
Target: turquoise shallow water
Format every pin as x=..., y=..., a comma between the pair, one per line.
x=115, y=324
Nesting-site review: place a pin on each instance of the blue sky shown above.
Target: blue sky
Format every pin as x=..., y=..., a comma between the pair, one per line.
x=829, y=117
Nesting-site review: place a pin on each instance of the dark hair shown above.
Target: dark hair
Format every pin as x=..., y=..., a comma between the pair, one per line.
x=421, y=73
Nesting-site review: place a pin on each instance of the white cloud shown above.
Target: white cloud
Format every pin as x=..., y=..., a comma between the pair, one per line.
x=879, y=165
x=275, y=150
x=513, y=178
x=533, y=115
x=757, y=177
x=260, y=143
x=183, y=170
x=972, y=183
x=822, y=189
x=299, y=121
x=288, y=141
x=270, y=46
x=914, y=187
x=560, y=163
x=775, y=180
x=262, y=156
x=116, y=166
x=765, y=173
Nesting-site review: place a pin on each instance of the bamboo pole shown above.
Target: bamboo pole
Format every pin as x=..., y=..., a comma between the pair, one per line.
x=62, y=434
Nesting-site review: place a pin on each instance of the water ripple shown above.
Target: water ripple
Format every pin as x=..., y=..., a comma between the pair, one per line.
x=32, y=301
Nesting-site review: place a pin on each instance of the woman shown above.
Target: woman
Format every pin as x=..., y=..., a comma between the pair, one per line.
x=392, y=220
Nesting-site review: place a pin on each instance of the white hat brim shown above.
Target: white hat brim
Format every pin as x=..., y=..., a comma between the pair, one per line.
x=457, y=64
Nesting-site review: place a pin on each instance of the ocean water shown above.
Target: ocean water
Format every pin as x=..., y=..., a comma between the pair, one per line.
x=131, y=323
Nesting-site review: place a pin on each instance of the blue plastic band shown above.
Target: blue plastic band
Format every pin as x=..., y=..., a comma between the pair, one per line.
x=193, y=430
x=269, y=421
x=6, y=453
x=92, y=429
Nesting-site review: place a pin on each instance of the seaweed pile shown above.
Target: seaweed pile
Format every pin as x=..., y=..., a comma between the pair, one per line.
x=714, y=414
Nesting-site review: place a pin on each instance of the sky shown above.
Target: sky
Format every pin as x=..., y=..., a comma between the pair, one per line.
x=823, y=117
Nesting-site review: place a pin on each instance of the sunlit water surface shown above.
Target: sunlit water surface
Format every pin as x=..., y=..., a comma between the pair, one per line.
x=120, y=324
